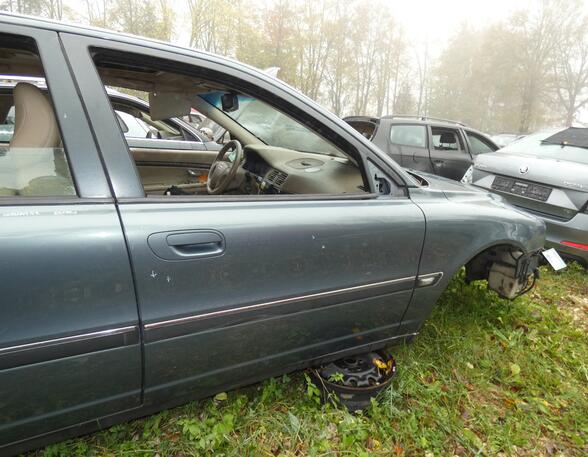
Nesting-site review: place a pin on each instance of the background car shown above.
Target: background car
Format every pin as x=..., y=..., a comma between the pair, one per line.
x=546, y=174
x=503, y=139
x=438, y=146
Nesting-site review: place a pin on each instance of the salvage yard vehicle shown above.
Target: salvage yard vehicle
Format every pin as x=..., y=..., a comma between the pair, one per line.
x=437, y=146
x=546, y=174
x=303, y=243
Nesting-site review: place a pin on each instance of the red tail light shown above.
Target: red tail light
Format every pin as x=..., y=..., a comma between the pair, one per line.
x=576, y=245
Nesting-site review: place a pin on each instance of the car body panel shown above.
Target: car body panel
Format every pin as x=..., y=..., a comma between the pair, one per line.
x=307, y=248
x=69, y=321
x=477, y=222
x=68, y=306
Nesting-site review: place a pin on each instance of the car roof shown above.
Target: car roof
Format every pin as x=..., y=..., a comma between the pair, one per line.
x=417, y=120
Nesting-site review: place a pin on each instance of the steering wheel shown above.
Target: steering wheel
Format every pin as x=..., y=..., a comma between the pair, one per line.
x=221, y=172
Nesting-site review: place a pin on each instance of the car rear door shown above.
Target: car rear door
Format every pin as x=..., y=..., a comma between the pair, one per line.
x=408, y=145
x=449, y=155
x=69, y=331
x=267, y=283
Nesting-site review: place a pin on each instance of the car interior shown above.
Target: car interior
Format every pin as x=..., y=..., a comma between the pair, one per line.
x=264, y=149
x=366, y=127
x=445, y=139
x=32, y=159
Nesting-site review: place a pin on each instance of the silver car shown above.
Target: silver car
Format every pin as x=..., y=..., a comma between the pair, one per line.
x=546, y=174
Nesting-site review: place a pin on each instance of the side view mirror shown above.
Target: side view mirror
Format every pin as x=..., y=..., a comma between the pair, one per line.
x=229, y=102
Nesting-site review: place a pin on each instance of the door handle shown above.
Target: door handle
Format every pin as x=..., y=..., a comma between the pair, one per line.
x=186, y=245
x=438, y=161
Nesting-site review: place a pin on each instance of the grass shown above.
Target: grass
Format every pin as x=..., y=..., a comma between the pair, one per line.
x=484, y=377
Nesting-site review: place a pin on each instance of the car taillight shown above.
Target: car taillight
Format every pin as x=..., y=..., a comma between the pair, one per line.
x=584, y=247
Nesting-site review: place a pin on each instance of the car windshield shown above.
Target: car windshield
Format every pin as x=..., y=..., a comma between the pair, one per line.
x=533, y=144
x=273, y=127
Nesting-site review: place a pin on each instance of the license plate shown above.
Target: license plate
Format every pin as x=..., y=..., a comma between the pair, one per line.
x=522, y=188
x=554, y=259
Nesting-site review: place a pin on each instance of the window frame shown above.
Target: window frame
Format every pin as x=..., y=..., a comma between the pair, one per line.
x=409, y=124
x=121, y=168
x=461, y=141
x=85, y=166
x=481, y=138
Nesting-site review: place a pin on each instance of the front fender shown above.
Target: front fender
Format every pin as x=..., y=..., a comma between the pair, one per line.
x=456, y=231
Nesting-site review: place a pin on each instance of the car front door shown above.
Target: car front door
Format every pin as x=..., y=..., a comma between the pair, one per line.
x=69, y=330
x=449, y=155
x=236, y=288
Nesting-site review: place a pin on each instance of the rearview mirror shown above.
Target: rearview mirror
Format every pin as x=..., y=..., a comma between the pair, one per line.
x=229, y=102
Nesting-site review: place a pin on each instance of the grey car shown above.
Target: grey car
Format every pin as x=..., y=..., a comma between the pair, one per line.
x=546, y=174
x=437, y=146
x=297, y=243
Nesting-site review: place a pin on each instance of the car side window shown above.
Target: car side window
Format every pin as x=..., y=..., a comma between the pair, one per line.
x=33, y=161
x=477, y=144
x=446, y=139
x=272, y=150
x=409, y=135
x=131, y=126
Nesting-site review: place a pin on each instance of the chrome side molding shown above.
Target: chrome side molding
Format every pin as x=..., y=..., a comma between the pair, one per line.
x=68, y=346
x=399, y=283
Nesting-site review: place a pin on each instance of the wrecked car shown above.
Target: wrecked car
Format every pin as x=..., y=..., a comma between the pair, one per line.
x=546, y=174
x=136, y=280
x=437, y=146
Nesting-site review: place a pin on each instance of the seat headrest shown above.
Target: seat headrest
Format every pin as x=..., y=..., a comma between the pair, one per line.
x=447, y=138
x=35, y=125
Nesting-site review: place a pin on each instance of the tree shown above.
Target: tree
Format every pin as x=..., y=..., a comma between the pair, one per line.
x=150, y=18
x=570, y=70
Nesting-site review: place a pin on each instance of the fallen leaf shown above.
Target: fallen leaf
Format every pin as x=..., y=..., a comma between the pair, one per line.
x=515, y=369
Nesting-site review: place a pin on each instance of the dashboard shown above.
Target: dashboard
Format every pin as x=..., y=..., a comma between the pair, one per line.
x=277, y=170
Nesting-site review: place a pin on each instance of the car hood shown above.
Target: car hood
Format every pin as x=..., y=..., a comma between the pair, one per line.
x=536, y=168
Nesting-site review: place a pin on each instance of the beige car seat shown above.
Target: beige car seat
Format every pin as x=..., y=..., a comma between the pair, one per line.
x=35, y=128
